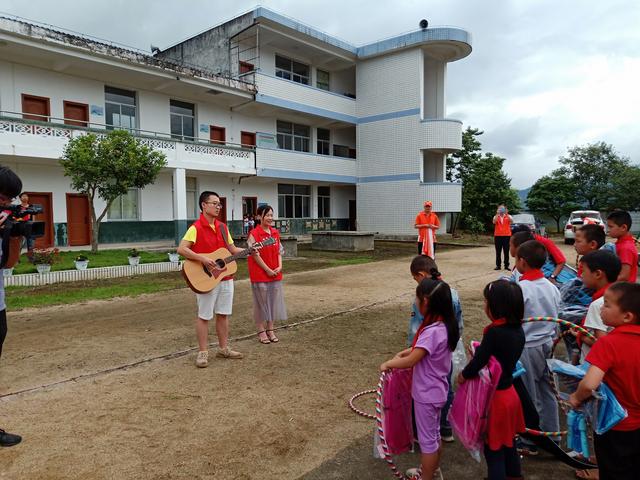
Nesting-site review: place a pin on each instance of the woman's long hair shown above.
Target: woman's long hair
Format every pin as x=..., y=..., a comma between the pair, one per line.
x=439, y=305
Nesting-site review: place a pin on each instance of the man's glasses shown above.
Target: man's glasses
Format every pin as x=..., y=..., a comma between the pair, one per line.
x=215, y=204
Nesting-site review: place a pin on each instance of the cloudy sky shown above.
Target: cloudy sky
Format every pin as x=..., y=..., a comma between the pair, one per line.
x=543, y=75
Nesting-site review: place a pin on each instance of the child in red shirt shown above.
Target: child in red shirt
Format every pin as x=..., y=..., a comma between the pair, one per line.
x=615, y=359
x=619, y=223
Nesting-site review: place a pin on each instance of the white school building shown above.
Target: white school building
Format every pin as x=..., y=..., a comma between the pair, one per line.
x=261, y=109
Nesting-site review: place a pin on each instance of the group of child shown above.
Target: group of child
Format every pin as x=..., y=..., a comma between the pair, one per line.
x=614, y=357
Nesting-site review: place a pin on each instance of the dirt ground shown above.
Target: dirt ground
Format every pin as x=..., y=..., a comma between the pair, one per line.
x=109, y=390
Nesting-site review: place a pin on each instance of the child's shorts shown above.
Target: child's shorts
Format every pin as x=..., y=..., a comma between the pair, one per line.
x=427, y=417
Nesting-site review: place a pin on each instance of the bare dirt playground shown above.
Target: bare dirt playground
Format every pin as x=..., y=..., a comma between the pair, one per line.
x=110, y=391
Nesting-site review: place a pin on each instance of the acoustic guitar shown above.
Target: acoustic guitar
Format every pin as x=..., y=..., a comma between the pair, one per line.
x=201, y=280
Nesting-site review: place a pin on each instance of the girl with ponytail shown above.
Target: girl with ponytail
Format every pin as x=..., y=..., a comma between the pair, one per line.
x=430, y=358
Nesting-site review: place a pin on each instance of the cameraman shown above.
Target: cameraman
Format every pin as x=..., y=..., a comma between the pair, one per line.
x=10, y=187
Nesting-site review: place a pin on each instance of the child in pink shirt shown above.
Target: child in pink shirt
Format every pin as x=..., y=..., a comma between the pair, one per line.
x=430, y=357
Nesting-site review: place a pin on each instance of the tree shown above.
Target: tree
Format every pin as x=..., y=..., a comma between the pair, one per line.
x=484, y=184
x=626, y=189
x=107, y=167
x=553, y=195
x=592, y=169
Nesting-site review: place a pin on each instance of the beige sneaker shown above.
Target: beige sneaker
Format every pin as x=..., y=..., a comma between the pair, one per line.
x=202, y=360
x=228, y=353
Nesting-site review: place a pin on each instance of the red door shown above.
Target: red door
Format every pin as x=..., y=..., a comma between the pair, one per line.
x=43, y=199
x=217, y=135
x=246, y=67
x=76, y=113
x=223, y=210
x=248, y=139
x=38, y=107
x=78, y=219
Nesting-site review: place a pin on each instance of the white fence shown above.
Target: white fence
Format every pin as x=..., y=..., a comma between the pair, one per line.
x=35, y=279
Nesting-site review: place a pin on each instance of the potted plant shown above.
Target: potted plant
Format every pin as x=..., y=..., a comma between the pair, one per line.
x=81, y=262
x=173, y=256
x=44, y=258
x=134, y=257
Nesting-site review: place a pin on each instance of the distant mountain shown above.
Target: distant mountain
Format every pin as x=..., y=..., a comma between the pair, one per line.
x=523, y=197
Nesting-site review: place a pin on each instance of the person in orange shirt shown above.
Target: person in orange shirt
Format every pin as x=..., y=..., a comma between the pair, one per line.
x=427, y=223
x=501, y=235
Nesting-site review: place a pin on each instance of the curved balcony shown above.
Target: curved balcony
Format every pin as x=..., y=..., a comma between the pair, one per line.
x=441, y=134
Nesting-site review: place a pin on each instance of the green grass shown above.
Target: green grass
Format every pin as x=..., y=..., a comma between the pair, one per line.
x=75, y=292
x=104, y=258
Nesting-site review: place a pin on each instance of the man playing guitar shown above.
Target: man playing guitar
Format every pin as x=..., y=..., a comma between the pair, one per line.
x=206, y=235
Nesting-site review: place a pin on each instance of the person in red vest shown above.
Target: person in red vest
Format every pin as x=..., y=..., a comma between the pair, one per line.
x=501, y=235
x=206, y=235
x=427, y=223
x=265, y=274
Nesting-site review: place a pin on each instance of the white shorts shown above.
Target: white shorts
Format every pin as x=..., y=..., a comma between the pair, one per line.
x=218, y=301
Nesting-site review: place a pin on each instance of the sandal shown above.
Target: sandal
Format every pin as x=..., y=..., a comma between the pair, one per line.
x=265, y=339
x=272, y=337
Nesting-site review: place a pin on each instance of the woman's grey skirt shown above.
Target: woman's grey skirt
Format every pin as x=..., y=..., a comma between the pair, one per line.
x=268, y=302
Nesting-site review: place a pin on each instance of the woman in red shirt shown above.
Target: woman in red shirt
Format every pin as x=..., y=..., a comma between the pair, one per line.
x=265, y=274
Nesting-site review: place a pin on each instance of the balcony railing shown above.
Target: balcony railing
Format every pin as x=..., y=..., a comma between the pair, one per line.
x=13, y=122
x=443, y=134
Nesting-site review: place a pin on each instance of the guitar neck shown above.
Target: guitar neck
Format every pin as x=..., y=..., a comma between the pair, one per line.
x=235, y=256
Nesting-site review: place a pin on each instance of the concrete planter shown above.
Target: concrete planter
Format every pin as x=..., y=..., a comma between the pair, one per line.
x=81, y=264
x=133, y=261
x=343, y=241
x=43, y=268
x=289, y=245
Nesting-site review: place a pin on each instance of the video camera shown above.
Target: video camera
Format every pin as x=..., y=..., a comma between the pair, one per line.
x=17, y=227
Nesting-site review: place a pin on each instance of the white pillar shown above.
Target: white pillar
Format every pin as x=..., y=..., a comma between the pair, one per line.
x=179, y=194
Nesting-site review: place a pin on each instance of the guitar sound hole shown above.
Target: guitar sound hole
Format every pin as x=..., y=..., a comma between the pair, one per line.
x=220, y=263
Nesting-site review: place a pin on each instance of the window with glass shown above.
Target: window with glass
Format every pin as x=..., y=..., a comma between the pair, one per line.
x=125, y=207
x=292, y=136
x=324, y=202
x=292, y=70
x=324, y=141
x=294, y=201
x=322, y=80
x=183, y=119
x=193, y=209
x=120, y=108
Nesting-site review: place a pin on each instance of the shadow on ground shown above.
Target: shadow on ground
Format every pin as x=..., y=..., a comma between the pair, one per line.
x=356, y=461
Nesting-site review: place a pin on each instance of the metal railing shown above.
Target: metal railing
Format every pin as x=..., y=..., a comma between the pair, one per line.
x=14, y=122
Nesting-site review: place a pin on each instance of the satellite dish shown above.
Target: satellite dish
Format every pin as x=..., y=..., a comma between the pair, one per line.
x=423, y=24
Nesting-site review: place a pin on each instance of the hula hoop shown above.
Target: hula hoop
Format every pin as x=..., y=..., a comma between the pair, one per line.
x=380, y=429
x=356, y=409
x=564, y=323
x=378, y=391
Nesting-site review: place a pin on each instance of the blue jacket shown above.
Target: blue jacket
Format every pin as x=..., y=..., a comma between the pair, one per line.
x=416, y=317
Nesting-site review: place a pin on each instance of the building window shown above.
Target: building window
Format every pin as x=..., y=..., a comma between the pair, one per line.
x=324, y=141
x=294, y=201
x=193, y=209
x=245, y=67
x=292, y=70
x=125, y=207
x=120, y=108
x=183, y=117
x=322, y=80
x=292, y=136
x=324, y=202
x=341, y=151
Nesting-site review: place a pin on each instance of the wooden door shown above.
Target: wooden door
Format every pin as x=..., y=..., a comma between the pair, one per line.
x=249, y=206
x=76, y=113
x=38, y=107
x=78, y=219
x=223, y=210
x=217, y=135
x=44, y=199
x=248, y=139
x=246, y=67
x=352, y=215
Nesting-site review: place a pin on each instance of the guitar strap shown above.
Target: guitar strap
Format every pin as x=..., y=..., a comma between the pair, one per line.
x=225, y=238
